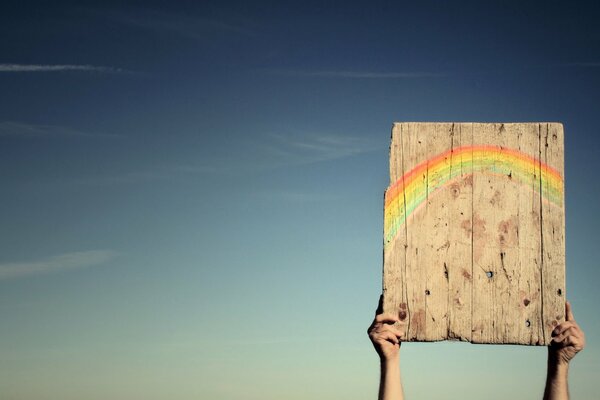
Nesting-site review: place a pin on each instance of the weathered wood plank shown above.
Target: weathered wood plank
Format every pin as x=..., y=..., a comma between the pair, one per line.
x=459, y=254
x=414, y=149
x=553, y=232
x=472, y=212
x=395, y=295
x=434, y=235
x=529, y=301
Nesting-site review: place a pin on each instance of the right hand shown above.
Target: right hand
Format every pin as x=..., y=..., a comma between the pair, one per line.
x=567, y=339
x=385, y=338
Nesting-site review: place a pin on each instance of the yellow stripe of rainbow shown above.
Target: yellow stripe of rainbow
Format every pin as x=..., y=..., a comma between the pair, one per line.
x=435, y=173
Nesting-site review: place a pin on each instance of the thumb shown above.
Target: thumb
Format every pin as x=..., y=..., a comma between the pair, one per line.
x=569, y=313
x=380, y=306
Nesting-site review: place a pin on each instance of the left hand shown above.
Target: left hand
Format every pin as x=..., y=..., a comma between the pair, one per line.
x=384, y=336
x=568, y=339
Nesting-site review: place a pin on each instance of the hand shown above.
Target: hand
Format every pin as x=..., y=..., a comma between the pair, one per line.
x=568, y=339
x=385, y=338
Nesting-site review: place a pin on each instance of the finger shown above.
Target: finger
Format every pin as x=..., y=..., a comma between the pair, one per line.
x=379, y=306
x=569, y=312
x=562, y=327
x=386, y=318
x=561, y=343
x=390, y=337
x=567, y=333
x=394, y=331
x=371, y=329
x=570, y=341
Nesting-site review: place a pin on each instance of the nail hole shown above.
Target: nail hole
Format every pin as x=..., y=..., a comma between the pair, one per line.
x=489, y=274
x=528, y=323
x=559, y=291
x=427, y=292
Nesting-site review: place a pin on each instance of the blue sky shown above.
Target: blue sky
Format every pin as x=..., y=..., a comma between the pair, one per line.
x=192, y=191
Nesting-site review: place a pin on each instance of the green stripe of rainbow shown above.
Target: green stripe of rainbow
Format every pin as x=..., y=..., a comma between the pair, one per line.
x=440, y=170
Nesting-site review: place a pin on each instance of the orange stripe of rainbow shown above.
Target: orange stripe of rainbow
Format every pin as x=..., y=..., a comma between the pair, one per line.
x=411, y=190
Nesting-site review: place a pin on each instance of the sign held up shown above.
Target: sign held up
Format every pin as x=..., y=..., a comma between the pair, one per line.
x=474, y=231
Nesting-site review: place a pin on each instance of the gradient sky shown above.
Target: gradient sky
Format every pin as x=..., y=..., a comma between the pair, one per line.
x=192, y=197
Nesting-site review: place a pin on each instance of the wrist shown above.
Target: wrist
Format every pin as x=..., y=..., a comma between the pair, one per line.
x=557, y=366
x=389, y=363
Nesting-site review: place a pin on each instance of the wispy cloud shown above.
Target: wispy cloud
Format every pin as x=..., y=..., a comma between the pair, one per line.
x=58, y=68
x=268, y=341
x=194, y=27
x=24, y=129
x=294, y=196
x=150, y=174
x=582, y=64
x=63, y=262
x=312, y=148
x=269, y=152
x=264, y=152
x=360, y=74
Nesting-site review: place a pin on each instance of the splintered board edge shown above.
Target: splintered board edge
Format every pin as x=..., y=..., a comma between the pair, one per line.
x=474, y=231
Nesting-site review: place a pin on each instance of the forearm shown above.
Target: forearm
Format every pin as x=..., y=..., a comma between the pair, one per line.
x=390, y=385
x=557, y=387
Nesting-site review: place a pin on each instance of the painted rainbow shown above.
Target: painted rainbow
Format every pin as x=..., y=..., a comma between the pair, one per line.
x=412, y=189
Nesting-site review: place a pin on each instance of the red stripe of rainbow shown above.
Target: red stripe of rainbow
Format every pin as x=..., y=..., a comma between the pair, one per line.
x=430, y=175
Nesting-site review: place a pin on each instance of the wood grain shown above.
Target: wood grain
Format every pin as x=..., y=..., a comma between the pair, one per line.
x=474, y=231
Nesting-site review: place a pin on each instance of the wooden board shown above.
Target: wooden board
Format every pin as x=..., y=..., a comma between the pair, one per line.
x=474, y=231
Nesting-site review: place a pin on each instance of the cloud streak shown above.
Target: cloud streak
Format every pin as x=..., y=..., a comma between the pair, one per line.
x=57, y=68
x=361, y=74
x=193, y=27
x=297, y=197
x=583, y=64
x=312, y=148
x=263, y=153
x=62, y=262
x=154, y=173
x=23, y=129
x=270, y=152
